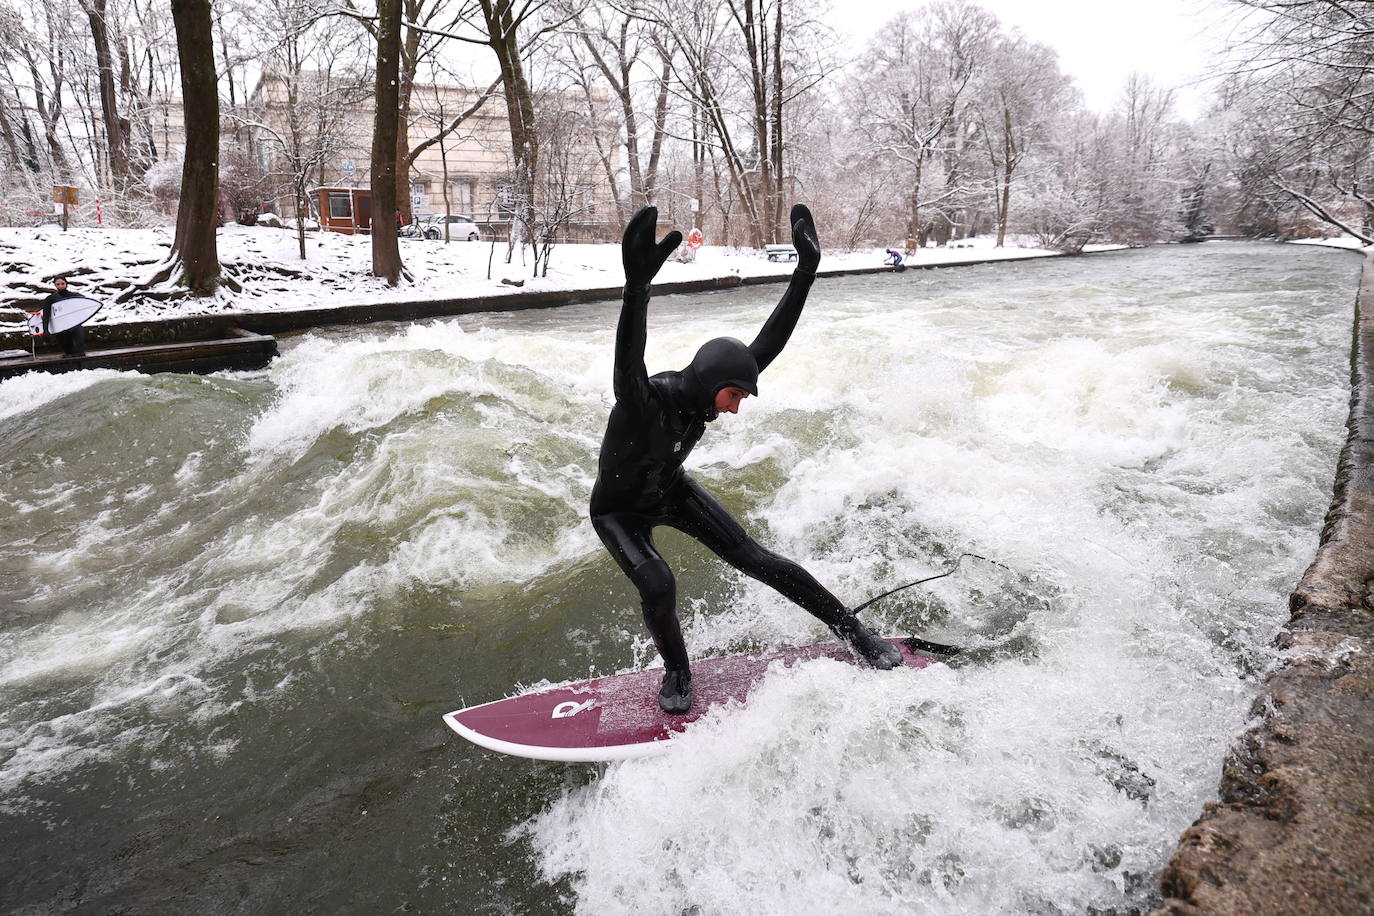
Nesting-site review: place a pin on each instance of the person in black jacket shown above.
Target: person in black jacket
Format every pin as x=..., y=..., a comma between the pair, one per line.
x=654, y=425
x=73, y=341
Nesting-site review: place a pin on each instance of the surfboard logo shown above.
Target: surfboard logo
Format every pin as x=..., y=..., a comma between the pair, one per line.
x=570, y=708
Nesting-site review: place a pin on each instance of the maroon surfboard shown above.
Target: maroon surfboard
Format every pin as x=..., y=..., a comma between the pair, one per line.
x=617, y=717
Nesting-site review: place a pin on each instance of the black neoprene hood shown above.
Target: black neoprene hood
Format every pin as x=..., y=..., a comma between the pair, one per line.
x=722, y=363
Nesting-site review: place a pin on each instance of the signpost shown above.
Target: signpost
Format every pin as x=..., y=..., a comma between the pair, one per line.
x=67, y=196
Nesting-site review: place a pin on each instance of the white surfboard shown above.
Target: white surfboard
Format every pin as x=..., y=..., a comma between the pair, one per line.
x=66, y=314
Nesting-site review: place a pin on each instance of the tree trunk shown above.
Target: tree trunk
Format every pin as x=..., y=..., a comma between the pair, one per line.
x=443, y=174
x=505, y=42
x=405, y=89
x=754, y=40
x=49, y=111
x=302, y=211
x=1015, y=150
x=913, y=219
x=29, y=157
x=229, y=74
x=699, y=166
x=621, y=83
x=660, y=131
x=776, y=102
x=109, y=102
x=1004, y=208
x=386, y=250
x=738, y=179
x=198, y=210
x=11, y=141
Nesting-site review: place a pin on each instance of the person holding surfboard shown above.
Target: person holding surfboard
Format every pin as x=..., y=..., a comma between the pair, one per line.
x=73, y=340
x=657, y=421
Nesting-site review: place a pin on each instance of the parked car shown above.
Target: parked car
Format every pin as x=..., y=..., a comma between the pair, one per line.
x=459, y=227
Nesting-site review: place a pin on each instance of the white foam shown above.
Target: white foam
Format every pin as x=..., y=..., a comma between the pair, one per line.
x=34, y=391
x=1104, y=471
x=1151, y=494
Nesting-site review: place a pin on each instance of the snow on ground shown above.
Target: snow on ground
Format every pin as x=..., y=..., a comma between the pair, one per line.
x=266, y=261
x=1344, y=241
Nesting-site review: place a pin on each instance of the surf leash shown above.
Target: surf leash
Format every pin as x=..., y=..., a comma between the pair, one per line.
x=921, y=645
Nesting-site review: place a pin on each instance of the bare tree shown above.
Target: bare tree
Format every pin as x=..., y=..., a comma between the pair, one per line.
x=426, y=27
x=148, y=77
x=386, y=131
x=444, y=125
x=603, y=43
x=566, y=185
x=16, y=44
x=116, y=127
x=1307, y=73
x=1021, y=88
x=742, y=65
x=1069, y=195
x=198, y=213
x=513, y=29
x=299, y=119
x=912, y=92
x=1144, y=181
x=46, y=62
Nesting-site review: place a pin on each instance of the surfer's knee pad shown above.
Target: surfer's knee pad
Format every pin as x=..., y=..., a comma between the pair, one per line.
x=657, y=588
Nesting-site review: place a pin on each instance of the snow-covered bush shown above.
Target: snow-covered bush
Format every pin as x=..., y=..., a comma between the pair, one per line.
x=242, y=182
x=163, y=181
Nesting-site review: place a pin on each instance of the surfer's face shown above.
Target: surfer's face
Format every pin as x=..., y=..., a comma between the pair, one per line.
x=728, y=399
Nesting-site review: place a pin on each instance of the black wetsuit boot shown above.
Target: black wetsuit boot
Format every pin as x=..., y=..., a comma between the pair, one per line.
x=675, y=693
x=875, y=650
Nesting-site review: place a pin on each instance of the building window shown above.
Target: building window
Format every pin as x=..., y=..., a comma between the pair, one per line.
x=505, y=202
x=340, y=205
x=462, y=195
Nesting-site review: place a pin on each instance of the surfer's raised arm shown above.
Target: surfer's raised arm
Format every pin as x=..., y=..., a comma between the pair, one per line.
x=778, y=328
x=642, y=257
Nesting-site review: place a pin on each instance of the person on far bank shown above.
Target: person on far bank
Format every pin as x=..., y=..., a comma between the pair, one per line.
x=73, y=341
x=656, y=422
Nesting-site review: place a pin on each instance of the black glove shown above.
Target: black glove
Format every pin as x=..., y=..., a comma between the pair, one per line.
x=642, y=256
x=804, y=239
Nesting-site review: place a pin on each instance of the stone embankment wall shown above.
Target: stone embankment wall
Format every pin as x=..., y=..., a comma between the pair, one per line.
x=1293, y=832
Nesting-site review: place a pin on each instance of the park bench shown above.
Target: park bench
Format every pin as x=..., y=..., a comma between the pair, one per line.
x=780, y=252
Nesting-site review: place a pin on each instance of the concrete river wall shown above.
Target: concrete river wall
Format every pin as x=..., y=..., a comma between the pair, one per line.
x=1293, y=831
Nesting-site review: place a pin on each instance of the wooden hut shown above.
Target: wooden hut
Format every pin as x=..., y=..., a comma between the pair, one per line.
x=346, y=210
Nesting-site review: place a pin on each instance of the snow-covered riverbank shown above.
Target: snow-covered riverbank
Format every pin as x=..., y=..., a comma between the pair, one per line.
x=266, y=262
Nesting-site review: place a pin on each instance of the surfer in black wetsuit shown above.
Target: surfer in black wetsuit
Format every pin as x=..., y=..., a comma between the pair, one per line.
x=655, y=423
x=73, y=341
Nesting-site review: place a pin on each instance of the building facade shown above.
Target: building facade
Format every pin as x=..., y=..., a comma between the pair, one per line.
x=320, y=127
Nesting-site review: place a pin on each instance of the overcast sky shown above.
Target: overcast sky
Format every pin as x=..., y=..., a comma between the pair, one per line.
x=1099, y=41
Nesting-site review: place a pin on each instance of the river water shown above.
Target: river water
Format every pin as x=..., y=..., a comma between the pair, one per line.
x=233, y=608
